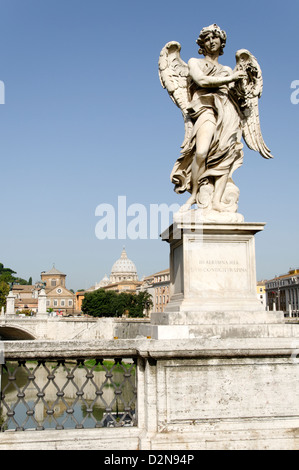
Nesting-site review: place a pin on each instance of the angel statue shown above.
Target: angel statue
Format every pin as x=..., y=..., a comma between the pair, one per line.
x=219, y=107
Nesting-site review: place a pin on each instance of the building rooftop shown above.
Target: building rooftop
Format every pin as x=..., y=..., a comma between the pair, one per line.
x=53, y=271
x=165, y=271
x=23, y=288
x=292, y=272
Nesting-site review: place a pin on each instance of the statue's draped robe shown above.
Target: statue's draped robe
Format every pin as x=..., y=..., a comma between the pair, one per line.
x=225, y=154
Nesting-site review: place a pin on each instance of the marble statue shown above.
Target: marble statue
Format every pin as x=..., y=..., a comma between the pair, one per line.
x=219, y=107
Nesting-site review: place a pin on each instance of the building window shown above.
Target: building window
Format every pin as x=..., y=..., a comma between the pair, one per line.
x=48, y=303
x=62, y=303
x=70, y=303
x=53, y=282
x=55, y=303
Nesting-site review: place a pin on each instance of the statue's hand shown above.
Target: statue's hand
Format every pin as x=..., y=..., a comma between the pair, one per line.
x=239, y=75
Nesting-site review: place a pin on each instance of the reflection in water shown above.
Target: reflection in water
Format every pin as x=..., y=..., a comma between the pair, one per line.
x=68, y=395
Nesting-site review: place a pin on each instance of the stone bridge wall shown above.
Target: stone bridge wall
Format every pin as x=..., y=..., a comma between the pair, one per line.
x=60, y=329
x=191, y=395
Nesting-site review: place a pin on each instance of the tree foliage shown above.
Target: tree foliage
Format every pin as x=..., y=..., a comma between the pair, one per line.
x=6, y=278
x=7, y=275
x=105, y=303
x=4, y=291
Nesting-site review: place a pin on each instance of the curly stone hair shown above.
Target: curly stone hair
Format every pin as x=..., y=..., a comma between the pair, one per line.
x=214, y=28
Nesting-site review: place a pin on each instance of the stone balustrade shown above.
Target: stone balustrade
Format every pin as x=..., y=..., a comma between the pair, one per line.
x=190, y=394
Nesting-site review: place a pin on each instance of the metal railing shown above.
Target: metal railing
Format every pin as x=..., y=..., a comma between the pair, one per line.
x=68, y=393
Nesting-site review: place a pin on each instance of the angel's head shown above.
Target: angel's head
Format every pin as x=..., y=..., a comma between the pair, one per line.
x=205, y=33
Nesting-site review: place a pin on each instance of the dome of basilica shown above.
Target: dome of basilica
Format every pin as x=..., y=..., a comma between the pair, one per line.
x=123, y=269
x=103, y=283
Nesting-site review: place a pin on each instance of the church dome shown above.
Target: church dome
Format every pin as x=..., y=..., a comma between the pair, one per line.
x=103, y=283
x=123, y=269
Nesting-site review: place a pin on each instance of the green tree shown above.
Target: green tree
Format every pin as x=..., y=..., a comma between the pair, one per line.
x=102, y=303
x=7, y=275
x=141, y=302
x=4, y=270
x=4, y=291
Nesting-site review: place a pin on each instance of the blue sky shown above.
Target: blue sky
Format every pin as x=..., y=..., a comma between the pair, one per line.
x=86, y=120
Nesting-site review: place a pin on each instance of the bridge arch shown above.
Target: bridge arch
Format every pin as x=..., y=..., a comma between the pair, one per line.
x=13, y=333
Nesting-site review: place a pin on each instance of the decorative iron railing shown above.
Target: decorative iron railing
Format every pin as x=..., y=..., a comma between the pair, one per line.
x=68, y=393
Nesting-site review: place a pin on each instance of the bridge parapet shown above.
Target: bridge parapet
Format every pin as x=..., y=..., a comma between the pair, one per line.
x=13, y=327
x=186, y=394
x=66, y=387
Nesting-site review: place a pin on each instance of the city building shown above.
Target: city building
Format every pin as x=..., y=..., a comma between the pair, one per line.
x=162, y=290
x=26, y=297
x=261, y=293
x=158, y=286
x=282, y=292
x=59, y=298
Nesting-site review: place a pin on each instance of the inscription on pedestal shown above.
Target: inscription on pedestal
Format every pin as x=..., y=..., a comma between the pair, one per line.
x=218, y=267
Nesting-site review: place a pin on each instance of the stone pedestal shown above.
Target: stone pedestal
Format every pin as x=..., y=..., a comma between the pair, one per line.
x=213, y=283
x=42, y=304
x=10, y=304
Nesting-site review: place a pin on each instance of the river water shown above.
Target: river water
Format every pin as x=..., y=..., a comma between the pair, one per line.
x=73, y=397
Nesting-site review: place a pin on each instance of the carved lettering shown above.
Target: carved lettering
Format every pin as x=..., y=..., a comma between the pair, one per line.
x=220, y=266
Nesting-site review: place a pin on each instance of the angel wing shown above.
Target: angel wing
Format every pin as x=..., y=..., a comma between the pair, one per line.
x=174, y=73
x=247, y=92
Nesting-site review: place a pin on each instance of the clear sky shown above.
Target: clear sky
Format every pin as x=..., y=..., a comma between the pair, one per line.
x=86, y=120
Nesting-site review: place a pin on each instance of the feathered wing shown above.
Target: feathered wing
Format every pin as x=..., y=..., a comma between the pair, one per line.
x=247, y=92
x=174, y=73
